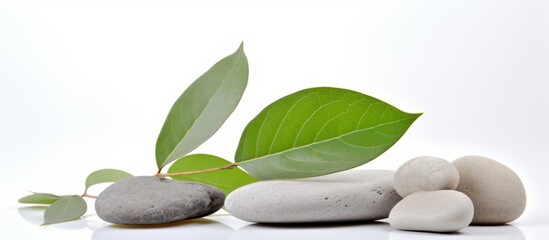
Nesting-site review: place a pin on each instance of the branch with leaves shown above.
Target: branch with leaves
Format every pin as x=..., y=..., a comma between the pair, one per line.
x=69, y=207
x=312, y=132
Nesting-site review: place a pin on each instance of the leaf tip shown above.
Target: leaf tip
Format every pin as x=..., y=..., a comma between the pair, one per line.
x=46, y=223
x=415, y=116
x=241, y=47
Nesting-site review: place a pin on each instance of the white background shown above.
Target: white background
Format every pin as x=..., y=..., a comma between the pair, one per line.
x=86, y=86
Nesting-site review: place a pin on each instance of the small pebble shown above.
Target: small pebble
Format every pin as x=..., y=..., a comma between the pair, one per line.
x=434, y=211
x=425, y=173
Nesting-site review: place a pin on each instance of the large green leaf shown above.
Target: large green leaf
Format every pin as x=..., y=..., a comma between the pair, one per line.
x=202, y=108
x=227, y=179
x=319, y=131
x=105, y=175
x=40, y=198
x=66, y=209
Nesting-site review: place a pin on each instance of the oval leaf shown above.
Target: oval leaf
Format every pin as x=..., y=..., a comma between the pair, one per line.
x=40, y=198
x=66, y=209
x=319, y=131
x=202, y=108
x=227, y=180
x=105, y=175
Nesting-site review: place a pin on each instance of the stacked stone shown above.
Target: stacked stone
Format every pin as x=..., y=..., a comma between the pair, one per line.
x=440, y=196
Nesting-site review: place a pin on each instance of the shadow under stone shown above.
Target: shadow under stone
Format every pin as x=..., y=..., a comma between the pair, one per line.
x=185, y=229
x=501, y=232
x=349, y=230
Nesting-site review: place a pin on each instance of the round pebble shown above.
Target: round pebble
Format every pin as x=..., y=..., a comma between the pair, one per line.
x=496, y=191
x=425, y=173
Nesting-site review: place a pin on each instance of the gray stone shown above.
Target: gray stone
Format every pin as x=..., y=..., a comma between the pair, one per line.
x=434, y=211
x=496, y=191
x=153, y=200
x=425, y=173
x=357, y=195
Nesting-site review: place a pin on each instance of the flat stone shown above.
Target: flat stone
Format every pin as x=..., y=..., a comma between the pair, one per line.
x=357, y=195
x=425, y=173
x=434, y=211
x=153, y=200
x=496, y=191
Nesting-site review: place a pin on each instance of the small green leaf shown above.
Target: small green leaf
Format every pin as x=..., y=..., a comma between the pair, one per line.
x=105, y=175
x=319, y=131
x=227, y=179
x=65, y=209
x=202, y=108
x=40, y=198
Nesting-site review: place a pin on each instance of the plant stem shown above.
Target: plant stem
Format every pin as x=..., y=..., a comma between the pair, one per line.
x=230, y=166
x=89, y=196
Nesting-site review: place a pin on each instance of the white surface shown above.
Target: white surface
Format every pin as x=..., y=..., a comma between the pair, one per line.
x=25, y=224
x=85, y=86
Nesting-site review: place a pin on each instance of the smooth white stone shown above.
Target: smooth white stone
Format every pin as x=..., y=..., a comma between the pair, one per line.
x=357, y=195
x=434, y=211
x=496, y=191
x=425, y=173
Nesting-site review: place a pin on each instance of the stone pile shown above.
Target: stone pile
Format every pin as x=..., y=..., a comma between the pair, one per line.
x=424, y=194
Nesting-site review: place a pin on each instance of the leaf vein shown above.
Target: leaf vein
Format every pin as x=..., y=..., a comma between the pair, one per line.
x=323, y=141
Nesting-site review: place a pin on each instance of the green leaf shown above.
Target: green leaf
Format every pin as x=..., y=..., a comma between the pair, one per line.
x=66, y=209
x=319, y=131
x=105, y=175
x=202, y=108
x=227, y=179
x=40, y=198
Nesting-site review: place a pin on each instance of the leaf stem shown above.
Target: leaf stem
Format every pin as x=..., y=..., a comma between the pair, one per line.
x=88, y=196
x=230, y=166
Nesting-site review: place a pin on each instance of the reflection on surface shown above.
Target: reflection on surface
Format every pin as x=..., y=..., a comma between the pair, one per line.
x=35, y=216
x=371, y=230
x=210, y=229
x=187, y=229
x=94, y=222
x=503, y=232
